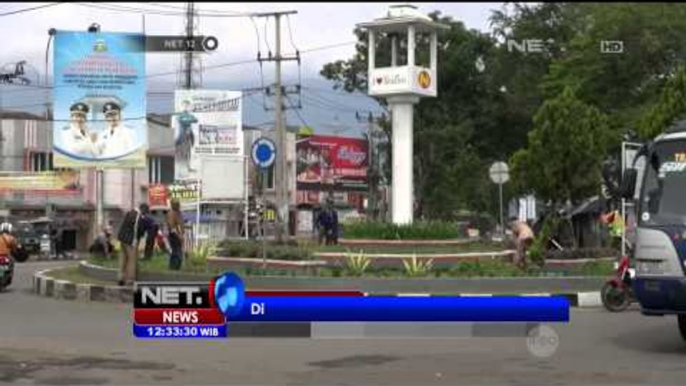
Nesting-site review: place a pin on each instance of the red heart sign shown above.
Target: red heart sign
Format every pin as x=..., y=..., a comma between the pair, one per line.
x=379, y=80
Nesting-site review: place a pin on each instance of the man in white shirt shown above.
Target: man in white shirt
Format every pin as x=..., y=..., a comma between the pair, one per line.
x=118, y=140
x=75, y=138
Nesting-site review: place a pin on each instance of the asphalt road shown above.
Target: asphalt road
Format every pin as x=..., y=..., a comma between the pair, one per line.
x=48, y=341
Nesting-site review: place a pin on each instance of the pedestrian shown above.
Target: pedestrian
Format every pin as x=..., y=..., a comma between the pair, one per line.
x=323, y=224
x=129, y=232
x=333, y=232
x=175, y=228
x=149, y=228
x=523, y=238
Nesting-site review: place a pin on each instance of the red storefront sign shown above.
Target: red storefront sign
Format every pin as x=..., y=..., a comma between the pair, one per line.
x=324, y=159
x=309, y=197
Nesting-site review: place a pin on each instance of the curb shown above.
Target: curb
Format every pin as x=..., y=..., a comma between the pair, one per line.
x=577, y=299
x=44, y=285
x=40, y=258
x=47, y=286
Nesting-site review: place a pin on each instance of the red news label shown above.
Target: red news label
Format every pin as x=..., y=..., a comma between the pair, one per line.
x=172, y=316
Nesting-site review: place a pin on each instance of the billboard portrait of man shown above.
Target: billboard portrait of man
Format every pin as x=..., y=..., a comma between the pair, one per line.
x=118, y=139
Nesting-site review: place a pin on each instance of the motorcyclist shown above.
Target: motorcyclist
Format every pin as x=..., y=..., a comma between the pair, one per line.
x=8, y=243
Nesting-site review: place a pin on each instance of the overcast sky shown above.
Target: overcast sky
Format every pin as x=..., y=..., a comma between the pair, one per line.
x=315, y=25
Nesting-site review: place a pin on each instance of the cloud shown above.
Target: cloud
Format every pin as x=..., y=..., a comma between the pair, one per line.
x=315, y=25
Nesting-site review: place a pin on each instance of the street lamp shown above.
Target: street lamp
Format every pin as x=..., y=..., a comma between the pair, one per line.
x=51, y=34
x=94, y=27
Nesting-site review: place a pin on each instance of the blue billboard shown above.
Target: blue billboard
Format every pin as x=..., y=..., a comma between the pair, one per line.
x=99, y=100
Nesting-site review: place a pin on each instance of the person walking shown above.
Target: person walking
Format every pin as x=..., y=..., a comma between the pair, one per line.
x=129, y=236
x=333, y=232
x=323, y=224
x=523, y=237
x=175, y=228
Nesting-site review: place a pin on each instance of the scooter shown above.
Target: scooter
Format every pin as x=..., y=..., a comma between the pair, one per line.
x=617, y=293
x=6, y=272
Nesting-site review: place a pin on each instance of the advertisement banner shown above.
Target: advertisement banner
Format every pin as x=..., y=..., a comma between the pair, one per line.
x=186, y=192
x=48, y=181
x=308, y=197
x=326, y=160
x=205, y=122
x=99, y=100
x=157, y=195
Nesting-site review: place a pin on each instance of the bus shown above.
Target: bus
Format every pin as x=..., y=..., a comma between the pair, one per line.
x=660, y=243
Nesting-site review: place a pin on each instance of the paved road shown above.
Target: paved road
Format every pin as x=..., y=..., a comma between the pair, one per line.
x=49, y=341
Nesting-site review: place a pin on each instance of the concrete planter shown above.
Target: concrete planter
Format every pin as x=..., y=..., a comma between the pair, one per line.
x=440, y=260
x=581, y=291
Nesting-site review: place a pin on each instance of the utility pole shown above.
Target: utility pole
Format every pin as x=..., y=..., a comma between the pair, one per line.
x=191, y=66
x=282, y=202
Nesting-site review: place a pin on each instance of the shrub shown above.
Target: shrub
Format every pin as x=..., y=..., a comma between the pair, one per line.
x=253, y=249
x=357, y=264
x=421, y=230
x=415, y=267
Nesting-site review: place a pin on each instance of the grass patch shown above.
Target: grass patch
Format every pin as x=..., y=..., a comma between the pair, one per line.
x=74, y=275
x=195, y=263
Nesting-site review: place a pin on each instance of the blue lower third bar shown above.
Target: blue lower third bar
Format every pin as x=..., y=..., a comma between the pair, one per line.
x=404, y=309
x=180, y=331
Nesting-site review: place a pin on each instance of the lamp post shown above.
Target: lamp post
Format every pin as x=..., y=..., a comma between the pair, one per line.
x=99, y=175
x=51, y=34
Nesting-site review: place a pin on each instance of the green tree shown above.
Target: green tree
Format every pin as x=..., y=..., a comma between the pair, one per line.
x=624, y=85
x=670, y=107
x=565, y=151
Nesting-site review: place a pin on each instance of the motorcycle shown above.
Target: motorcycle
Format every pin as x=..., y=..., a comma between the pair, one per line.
x=6, y=272
x=617, y=293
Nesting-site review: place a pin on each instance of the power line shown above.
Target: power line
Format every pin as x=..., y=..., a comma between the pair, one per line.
x=148, y=11
x=29, y=9
x=290, y=33
x=295, y=109
x=204, y=10
x=246, y=93
x=266, y=38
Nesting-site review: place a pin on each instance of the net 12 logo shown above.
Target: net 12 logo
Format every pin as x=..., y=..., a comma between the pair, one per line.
x=185, y=310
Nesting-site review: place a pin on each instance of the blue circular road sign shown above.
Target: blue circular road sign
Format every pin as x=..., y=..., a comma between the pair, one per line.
x=263, y=152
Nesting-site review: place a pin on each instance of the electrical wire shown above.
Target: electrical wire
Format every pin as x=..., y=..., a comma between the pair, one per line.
x=259, y=56
x=319, y=96
x=266, y=38
x=204, y=10
x=246, y=92
x=29, y=9
x=222, y=65
x=148, y=11
x=290, y=33
x=297, y=113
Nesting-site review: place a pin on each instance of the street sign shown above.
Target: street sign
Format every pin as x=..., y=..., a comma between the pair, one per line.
x=499, y=173
x=263, y=152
